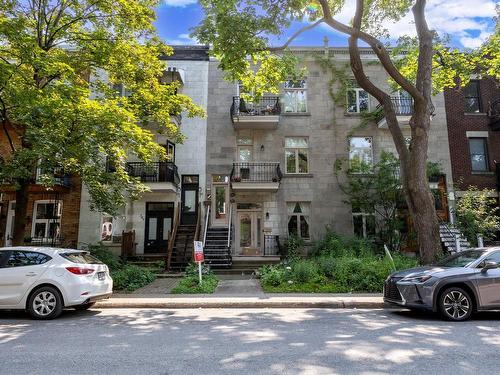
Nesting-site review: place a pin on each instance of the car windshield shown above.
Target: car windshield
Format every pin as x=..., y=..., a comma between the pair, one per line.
x=463, y=259
x=81, y=257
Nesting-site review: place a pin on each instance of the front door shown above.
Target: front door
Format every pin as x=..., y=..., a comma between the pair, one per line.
x=159, y=217
x=189, y=197
x=9, y=229
x=249, y=233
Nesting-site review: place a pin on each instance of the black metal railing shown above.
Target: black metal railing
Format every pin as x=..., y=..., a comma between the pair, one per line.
x=265, y=106
x=163, y=171
x=494, y=114
x=256, y=172
x=403, y=107
x=272, y=245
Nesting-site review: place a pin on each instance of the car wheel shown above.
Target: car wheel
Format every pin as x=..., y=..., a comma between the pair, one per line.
x=455, y=304
x=85, y=306
x=45, y=303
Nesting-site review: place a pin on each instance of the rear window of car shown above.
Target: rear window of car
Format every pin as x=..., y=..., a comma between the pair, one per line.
x=81, y=257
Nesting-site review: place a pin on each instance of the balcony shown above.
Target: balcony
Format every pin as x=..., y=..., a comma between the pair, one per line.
x=494, y=115
x=159, y=176
x=261, y=114
x=256, y=176
x=404, y=111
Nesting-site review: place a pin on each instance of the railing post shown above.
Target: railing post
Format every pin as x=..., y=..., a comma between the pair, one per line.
x=457, y=243
x=480, y=242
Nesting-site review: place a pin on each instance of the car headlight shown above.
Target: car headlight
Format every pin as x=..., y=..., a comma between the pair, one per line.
x=417, y=279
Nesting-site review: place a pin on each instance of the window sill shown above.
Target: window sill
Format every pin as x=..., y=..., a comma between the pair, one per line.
x=354, y=114
x=475, y=113
x=299, y=175
x=481, y=173
x=292, y=114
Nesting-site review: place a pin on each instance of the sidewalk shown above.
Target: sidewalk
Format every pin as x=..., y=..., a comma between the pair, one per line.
x=260, y=300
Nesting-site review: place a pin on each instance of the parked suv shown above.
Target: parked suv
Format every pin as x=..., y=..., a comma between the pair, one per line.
x=456, y=287
x=45, y=280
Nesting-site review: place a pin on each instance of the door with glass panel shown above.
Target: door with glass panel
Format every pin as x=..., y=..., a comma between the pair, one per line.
x=159, y=218
x=220, y=201
x=189, y=198
x=249, y=233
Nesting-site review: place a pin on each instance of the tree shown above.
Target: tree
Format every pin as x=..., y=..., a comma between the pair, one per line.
x=477, y=213
x=239, y=32
x=54, y=117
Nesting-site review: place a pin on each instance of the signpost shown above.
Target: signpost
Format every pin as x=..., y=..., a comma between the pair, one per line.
x=198, y=255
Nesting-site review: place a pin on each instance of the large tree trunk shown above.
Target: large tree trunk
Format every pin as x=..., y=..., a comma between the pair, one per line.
x=20, y=213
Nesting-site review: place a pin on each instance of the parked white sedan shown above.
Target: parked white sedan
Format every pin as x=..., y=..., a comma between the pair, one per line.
x=45, y=280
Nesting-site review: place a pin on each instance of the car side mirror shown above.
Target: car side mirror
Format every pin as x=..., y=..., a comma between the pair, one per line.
x=489, y=266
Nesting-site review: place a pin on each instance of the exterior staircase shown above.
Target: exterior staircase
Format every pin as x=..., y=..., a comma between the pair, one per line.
x=448, y=234
x=217, y=253
x=182, y=252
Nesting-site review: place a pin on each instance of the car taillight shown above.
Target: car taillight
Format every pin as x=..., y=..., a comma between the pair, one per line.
x=80, y=270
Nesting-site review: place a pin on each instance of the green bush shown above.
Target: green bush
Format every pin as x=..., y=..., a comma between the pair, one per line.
x=327, y=265
x=336, y=246
x=131, y=277
x=190, y=284
x=304, y=271
x=272, y=275
x=102, y=253
x=293, y=246
x=192, y=269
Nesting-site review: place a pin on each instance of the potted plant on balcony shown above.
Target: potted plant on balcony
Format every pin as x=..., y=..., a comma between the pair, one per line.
x=434, y=171
x=236, y=179
x=275, y=179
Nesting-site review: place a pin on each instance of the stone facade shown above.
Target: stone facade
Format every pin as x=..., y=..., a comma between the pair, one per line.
x=327, y=127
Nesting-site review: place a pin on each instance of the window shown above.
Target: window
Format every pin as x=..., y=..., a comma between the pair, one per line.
x=296, y=155
x=295, y=97
x=493, y=257
x=298, y=219
x=472, y=97
x=357, y=100
x=245, y=148
x=478, y=154
x=170, y=151
x=46, y=220
x=106, y=228
x=26, y=258
x=360, y=154
x=81, y=257
x=364, y=222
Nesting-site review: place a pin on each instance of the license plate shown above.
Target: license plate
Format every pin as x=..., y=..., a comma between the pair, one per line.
x=101, y=275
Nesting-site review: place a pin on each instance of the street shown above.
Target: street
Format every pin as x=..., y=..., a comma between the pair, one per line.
x=248, y=341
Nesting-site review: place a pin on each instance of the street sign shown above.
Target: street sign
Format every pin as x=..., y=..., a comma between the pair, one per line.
x=198, y=251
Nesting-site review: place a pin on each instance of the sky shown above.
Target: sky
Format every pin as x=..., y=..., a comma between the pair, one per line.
x=467, y=22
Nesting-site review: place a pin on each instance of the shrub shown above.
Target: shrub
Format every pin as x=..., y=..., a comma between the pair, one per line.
x=304, y=271
x=131, y=277
x=192, y=269
x=102, y=253
x=272, y=275
x=336, y=246
x=327, y=265
x=190, y=284
x=293, y=245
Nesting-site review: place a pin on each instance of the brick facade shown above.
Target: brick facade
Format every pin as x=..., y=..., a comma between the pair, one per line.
x=462, y=124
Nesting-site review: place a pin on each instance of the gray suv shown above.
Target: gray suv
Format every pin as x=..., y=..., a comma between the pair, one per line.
x=456, y=287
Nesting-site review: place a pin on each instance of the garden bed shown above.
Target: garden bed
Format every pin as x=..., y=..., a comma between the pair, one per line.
x=190, y=283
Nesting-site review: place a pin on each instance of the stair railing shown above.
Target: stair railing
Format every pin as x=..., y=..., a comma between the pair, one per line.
x=456, y=237
x=171, y=238
x=198, y=225
x=207, y=216
x=230, y=225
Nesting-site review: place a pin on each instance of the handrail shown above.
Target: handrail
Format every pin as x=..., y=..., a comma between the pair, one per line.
x=171, y=240
x=230, y=225
x=207, y=215
x=198, y=223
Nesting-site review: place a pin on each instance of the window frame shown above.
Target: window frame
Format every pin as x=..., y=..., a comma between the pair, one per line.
x=364, y=216
x=47, y=258
x=357, y=90
x=296, y=153
x=486, y=158
x=47, y=222
x=371, y=153
x=476, y=82
x=294, y=91
x=297, y=215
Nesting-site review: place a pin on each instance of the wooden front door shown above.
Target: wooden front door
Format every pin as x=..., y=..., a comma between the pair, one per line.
x=159, y=218
x=189, y=197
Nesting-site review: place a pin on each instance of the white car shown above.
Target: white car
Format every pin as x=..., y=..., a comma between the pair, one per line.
x=44, y=280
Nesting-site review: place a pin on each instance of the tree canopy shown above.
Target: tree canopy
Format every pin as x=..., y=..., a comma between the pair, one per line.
x=61, y=62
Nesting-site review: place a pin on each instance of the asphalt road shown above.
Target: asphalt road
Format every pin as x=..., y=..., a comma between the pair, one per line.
x=245, y=341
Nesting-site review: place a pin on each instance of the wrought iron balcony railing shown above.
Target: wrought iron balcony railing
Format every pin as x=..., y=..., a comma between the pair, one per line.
x=266, y=106
x=163, y=171
x=256, y=172
x=272, y=245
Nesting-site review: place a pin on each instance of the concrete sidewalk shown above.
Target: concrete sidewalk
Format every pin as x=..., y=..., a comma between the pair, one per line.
x=243, y=301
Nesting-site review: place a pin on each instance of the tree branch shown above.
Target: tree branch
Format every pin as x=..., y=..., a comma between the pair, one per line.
x=296, y=34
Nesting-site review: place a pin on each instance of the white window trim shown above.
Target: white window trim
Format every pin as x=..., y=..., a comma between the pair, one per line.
x=357, y=90
x=371, y=152
x=46, y=221
x=296, y=150
x=296, y=89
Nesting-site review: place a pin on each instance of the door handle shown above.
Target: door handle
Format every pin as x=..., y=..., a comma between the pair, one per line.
x=31, y=274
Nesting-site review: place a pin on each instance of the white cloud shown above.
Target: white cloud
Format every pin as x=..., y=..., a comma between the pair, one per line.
x=178, y=3
x=459, y=18
x=182, y=39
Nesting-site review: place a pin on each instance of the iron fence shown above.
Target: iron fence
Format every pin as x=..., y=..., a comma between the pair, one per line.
x=154, y=172
x=256, y=172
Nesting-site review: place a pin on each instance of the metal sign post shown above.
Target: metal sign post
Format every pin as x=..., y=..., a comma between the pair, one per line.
x=198, y=256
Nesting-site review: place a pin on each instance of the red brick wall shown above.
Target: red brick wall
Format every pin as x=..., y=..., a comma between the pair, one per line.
x=459, y=123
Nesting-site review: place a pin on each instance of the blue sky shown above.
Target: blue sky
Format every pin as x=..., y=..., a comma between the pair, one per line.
x=468, y=22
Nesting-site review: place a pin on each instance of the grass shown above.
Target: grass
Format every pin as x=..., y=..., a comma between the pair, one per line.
x=189, y=284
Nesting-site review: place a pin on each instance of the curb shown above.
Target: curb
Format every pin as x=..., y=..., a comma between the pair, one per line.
x=170, y=303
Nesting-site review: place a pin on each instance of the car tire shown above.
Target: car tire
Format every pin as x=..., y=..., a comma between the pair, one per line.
x=85, y=306
x=455, y=304
x=45, y=303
